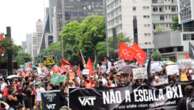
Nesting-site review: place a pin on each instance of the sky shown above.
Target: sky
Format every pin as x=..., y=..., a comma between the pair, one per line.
x=21, y=15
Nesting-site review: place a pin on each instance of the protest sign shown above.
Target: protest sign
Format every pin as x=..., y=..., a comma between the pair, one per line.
x=51, y=100
x=140, y=73
x=172, y=70
x=184, y=63
x=49, y=60
x=126, y=98
x=156, y=66
x=119, y=65
x=56, y=79
x=85, y=71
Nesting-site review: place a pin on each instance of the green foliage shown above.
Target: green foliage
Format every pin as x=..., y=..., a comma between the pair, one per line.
x=158, y=28
x=83, y=36
x=17, y=52
x=53, y=50
x=156, y=55
x=175, y=25
x=22, y=58
x=87, y=36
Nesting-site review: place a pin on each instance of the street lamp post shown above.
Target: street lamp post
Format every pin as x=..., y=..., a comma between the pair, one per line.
x=9, y=52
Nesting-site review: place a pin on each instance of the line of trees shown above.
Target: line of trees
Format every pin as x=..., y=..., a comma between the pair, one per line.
x=18, y=54
x=87, y=36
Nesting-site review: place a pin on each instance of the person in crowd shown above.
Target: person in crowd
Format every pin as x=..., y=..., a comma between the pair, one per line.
x=39, y=90
x=185, y=102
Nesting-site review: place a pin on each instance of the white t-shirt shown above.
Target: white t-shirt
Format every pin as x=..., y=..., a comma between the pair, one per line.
x=3, y=85
x=38, y=93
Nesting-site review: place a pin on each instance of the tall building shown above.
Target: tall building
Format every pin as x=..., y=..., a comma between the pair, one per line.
x=24, y=46
x=186, y=14
x=139, y=19
x=36, y=38
x=132, y=18
x=63, y=11
x=163, y=12
x=29, y=43
x=186, y=19
x=60, y=12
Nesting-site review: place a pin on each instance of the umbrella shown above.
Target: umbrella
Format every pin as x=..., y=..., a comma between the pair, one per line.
x=12, y=76
x=6, y=105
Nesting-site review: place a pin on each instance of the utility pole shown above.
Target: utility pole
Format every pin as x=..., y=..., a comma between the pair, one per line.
x=106, y=29
x=9, y=52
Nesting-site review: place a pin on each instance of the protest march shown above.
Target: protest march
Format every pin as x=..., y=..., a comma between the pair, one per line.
x=132, y=82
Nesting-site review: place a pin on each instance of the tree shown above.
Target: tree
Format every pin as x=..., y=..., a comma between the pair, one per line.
x=175, y=25
x=17, y=52
x=101, y=46
x=156, y=55
x=83, y=36
x=22, y=58
x=53, y=50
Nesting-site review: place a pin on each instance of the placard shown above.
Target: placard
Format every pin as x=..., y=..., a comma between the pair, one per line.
x=140, y=73
x=172, y=70
x=85, y=71
x=51, y=100
x=49, y=60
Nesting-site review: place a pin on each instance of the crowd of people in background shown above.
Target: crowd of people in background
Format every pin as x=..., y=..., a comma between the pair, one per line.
x=24, y=91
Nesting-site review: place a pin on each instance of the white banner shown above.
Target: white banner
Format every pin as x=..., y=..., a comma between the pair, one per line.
x=140, y=73
x=172, y=70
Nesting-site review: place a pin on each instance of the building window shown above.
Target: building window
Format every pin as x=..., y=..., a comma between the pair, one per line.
x=173, y=9
x=186, y=37
x=192, y=37
x=146, y=16
x=146, y=7
x=154, y=1
x=134, y=8
x=160, y=9
x=155, y=9
x=161, y=17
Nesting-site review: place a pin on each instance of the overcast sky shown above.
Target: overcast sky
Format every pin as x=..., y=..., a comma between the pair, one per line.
x=21, y=15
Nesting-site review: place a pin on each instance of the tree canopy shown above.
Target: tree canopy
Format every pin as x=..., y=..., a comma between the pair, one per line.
x=88, y=37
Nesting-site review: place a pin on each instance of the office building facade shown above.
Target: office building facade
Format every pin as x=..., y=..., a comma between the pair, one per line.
x=163, y=12
x=63, y=11
x=132, y=18
x=186, y=19
x=36, y=38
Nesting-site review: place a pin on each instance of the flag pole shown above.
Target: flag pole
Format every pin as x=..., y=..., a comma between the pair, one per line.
x=83, y=60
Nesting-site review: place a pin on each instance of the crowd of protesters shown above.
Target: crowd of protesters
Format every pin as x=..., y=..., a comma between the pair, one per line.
x=24, y=91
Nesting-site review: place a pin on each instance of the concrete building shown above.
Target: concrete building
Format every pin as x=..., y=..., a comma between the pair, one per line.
x=36, y=38
x=60, y=12
x=132, y=18
x=163, y=12
x=140, y=19
x=29, y=43
x=24, y=46
x=186, y=19
x=186, y=11
x=63, y=11
x=169, y=44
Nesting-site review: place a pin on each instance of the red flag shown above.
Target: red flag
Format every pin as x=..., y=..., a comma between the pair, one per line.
x=1, y=37
x=79, y=71
x=56, y=69
x=125, y=52
x=186, y=55
x=140, y=55
x=90, y=67
x=64, y=62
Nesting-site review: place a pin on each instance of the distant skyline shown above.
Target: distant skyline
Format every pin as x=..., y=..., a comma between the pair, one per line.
x=21, y=15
